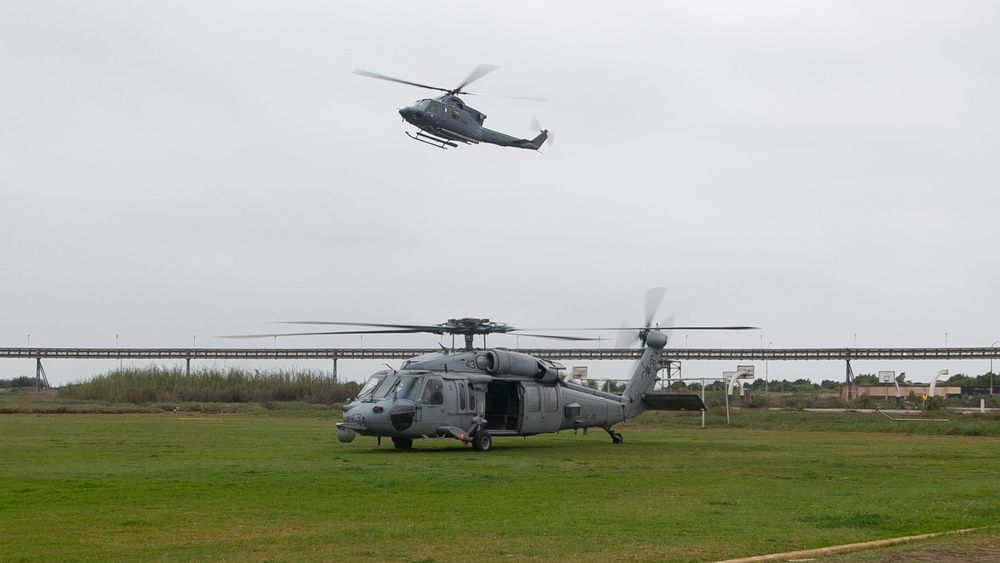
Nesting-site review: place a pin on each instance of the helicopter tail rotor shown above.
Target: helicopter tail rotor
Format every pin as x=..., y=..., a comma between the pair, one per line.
x=544, y=137
x=627, y=337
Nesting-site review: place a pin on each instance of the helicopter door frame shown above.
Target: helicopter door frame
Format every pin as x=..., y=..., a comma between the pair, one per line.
x=502, y=407
x=464, y=409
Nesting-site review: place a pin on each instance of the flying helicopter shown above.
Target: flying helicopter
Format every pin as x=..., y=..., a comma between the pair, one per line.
x=474, y=394
x=443, y=120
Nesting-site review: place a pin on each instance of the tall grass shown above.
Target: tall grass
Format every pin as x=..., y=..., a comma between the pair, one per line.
x=155, y=384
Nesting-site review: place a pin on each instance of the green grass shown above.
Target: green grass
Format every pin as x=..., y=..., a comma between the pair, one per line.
x=274, y=484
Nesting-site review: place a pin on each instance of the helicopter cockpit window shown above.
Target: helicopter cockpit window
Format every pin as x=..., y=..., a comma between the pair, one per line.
x=433, y=392
x=423, y=104
x=406, y=388
x=370, y=386
x=384, y=387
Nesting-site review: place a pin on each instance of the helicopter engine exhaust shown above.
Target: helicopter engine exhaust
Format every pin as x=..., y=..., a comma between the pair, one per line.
x=502, y=362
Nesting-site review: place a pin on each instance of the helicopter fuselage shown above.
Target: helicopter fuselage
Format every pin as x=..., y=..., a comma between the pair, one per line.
x=447, y=119
x=466, y=395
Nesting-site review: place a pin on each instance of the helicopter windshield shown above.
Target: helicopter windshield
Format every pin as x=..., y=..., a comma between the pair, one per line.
x=422, y=104
x=384, y=387
x=370, y=385
x=407, y=388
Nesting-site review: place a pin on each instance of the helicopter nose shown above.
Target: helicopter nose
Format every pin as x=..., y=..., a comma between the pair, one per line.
x=410, y=113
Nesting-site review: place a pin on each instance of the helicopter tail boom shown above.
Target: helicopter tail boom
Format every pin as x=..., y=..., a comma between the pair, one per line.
x=504, y=140
x=644, y=377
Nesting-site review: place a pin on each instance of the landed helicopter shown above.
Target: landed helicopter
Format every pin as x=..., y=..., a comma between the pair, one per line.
x=442, y=121
x=472, y=395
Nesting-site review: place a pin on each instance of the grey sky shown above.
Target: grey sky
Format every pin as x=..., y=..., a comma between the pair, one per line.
x=824, y=170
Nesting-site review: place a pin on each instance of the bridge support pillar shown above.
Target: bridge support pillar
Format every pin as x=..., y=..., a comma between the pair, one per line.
x=849, y=386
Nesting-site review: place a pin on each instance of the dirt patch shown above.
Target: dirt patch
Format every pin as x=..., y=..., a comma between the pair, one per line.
x=967, y=548
x=973, y=546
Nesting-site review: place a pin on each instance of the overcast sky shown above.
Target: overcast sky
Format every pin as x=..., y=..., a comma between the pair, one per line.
x=827, y=171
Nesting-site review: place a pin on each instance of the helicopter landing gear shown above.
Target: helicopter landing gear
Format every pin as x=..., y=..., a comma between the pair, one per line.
x=434, y=141
x=402, y=443
x=482, y=441
x=616, y=438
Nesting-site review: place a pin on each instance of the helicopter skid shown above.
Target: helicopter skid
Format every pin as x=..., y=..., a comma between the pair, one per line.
x=434, y=141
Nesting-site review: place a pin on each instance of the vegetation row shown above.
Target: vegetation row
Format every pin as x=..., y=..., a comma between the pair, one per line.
x=154, y=384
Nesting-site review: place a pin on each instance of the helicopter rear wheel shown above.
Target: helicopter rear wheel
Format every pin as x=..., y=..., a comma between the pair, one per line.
x=402, y=443
x=482, y=441
x=616, y=438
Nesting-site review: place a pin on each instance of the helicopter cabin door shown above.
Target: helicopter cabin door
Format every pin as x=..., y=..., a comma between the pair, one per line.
x=540, y=408
x=462, y=407
x=432, y=407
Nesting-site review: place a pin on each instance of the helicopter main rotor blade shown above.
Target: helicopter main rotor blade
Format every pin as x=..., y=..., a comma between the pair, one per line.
x=321, y=333
x=415, y=328
x=477, y=73
x=391, y=79
x=626, y=327
x=555, y=337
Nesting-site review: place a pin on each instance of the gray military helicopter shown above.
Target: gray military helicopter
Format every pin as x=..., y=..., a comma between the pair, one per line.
x=472, y=395
x=443, y=120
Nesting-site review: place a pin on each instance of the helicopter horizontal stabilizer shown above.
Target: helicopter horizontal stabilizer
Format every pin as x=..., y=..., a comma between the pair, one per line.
x=673, y=402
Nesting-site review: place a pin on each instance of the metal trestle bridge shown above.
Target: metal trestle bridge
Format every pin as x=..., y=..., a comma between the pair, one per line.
x=749, y=354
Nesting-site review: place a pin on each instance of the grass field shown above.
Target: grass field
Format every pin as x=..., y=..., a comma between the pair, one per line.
x=274, y=484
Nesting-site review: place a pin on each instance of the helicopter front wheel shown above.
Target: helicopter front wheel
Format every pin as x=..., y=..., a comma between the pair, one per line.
x=482, y=441
x=402, y=443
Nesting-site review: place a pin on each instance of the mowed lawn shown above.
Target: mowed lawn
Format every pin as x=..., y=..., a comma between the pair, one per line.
x=183, y=486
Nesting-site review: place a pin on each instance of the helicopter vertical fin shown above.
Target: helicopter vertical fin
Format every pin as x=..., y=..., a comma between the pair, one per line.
x=644, y=377
x=540, y=139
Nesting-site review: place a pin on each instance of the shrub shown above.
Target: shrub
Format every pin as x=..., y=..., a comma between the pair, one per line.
x=155, y=384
